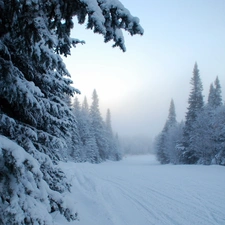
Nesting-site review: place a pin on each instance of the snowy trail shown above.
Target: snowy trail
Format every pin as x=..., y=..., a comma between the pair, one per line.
x=139, y=191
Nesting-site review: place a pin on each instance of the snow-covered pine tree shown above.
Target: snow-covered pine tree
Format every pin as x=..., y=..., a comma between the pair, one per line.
x=171, y=120
x=174, y=140
x=160, y=148
x=33, y=112
x=218, y=126
x=202, y=143
x=205, y=142
x=196, y=104
x=213, y=134
x=218, y=136
x=218, y=93
x=215, y=96
x=32, y=84
x=163, y=140
x=98, y=127
x=87, y=135
x=173, y=135
x=76, y=151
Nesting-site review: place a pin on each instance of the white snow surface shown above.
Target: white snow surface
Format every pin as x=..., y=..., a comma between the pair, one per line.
x=139, y=191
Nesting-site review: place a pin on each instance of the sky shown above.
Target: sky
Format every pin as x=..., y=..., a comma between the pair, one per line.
x=138, y=85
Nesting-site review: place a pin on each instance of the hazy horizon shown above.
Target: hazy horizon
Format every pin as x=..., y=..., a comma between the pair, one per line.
x=137, y=86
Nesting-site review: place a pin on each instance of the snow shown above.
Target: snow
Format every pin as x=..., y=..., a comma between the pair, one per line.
x=138, y=190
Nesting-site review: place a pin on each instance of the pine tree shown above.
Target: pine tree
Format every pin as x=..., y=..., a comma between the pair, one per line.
x=32, y=84
x=76, y=151
x=218, y=94
x=206, y=143
x=218, y=136
x=98, y=127
x=87, y=135
x=33, y=111
x=215, y=97
x=160, y=148
x=202, y=142
x=171, y=120
x=213, y=133
x=163, y=140
x=195, y=100
x=196, y=104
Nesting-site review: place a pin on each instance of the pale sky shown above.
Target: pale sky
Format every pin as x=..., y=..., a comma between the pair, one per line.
x=137, y=85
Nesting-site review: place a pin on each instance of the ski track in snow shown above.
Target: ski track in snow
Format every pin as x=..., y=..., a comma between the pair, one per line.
x=139, y=191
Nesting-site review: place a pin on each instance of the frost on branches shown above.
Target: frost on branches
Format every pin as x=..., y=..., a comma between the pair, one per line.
x=26, y=198
x=33, y=111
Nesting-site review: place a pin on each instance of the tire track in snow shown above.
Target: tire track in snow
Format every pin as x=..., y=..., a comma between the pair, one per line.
x=129, y=194
x=161, y=205
x=147, y=208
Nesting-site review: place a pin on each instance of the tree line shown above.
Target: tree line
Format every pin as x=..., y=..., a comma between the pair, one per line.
x=94, y=140
x=201, y=138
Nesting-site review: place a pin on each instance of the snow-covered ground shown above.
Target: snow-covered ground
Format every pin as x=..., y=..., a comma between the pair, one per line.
x=139, y=191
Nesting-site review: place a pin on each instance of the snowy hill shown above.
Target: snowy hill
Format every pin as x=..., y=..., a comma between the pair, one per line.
x=139, y=191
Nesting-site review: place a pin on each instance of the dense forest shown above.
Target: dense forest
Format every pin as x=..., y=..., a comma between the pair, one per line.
x=95, y=140
x=201, y=137
x=37, y=127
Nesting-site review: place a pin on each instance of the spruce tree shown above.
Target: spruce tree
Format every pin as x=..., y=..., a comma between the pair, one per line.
x=160, y=148
x=213, y=134
x=32, y=85
x=171, y=120
x=196, y=104
x=206, y=142
x=76, y=150
x=98, y=127
x=215, y=97
x=163, y=140
x=218, y=136
x=87, y=135
x=218, y=94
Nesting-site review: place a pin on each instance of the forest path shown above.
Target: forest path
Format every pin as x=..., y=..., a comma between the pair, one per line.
x=139, y=191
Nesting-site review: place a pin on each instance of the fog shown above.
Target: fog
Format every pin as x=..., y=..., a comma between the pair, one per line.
x=137, y=86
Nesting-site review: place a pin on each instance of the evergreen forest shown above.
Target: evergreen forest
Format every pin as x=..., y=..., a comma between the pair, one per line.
x=200, y=139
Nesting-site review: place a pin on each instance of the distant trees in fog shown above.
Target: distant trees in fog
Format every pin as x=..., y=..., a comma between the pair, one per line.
x=94, y=140
x=201, y=138
x=136, y=145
